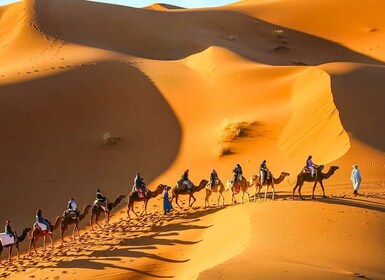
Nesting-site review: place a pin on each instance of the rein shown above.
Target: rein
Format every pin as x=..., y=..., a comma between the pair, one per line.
x=289, y=181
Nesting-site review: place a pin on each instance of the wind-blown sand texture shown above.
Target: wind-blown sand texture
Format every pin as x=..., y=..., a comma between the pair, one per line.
x=195, y=89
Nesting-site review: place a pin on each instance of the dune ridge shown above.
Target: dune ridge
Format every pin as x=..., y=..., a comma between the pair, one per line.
x=167, y=83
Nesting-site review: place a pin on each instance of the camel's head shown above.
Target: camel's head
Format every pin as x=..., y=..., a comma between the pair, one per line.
x=334, y=167
x=254, y=177
x=87, y=207
x=161, y=187
x=285, y=174
x=121, y=196
x=26, y=230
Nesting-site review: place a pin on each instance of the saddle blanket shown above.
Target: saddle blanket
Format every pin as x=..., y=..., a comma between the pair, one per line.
x=42, y=227
x=6, y=239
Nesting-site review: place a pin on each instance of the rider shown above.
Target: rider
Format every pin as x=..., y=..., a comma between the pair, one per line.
x=139, y=184
x=213, y=178
x=101, y=200
x=9, y=230
x=72, y=208
x=184, y=179
x=263, y=170
x=41, y=220
x=311, y=165
x=237, y=173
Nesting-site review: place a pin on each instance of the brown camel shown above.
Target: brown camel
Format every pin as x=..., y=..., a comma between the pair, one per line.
x=218, y=188
x=97, y=210
x=36, y=233
x=239, y=186
x=18, y=239
x=72, y=219
x=318, y=178
x=255, y=180
x=176, y=192
x=134, y=197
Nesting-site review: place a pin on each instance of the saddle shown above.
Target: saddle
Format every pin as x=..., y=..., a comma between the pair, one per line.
x=101, y=205
x=41, y=227
x=182, y=186
x=73, y=215
x=6, y=239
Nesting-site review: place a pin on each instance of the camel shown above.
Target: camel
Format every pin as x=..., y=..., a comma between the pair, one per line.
x=97, y=210
x=16, y=243
x=219, y=188
x=134, y=197
x=319, y=177
x=240, y=185
x=177, y=192
x=36, y=233
x=72, y=219
x=270, y=182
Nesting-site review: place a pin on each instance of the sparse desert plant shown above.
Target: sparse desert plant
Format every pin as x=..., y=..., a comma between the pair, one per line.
x=224, y=150
x=109, y=139
x=278, y=33
x=231, y=38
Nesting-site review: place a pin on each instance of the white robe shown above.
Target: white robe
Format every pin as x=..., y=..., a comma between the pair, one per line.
x=356, y=179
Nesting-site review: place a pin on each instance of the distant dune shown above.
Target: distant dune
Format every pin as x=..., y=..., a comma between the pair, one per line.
x=195, y=89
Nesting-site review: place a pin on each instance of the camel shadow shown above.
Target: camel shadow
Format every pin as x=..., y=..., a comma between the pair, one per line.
x=352, y=203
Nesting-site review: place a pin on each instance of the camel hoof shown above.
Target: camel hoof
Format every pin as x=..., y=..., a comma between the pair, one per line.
x=325, y=196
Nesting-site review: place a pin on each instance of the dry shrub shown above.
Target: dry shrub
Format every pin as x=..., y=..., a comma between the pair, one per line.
x=109, y=139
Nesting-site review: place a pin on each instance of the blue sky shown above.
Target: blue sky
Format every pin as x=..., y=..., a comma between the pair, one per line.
x=141, y=3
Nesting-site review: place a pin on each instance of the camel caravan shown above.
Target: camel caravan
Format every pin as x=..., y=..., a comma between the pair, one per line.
x=42, y=228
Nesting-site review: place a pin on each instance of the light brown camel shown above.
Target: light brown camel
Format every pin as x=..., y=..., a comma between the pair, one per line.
x=255, y=180
x=97, y=210
x=218, y=188
x=36, y=233
x=176, y=192
x=319, y=177
x=134, y=197
x=239, y=186
x=72, y=219
x=18, y=239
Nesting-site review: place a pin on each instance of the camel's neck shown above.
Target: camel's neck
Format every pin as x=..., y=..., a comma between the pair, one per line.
x=113, y=204
x=199, y=187
x=57, y=222
x=155, y=193
x=84, y=214
x=329, y=173
x=22, y=237
x=279, y=179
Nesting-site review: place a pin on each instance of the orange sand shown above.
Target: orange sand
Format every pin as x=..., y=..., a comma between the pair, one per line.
x=298, y=77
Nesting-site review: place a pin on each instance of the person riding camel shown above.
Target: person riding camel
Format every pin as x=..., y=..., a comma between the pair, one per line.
x=72, y=208
x=184, y=180
x=310, y=165
x=101, y=200
x=237, y=173
x=213, y=178
x=140, y=186
x=264, y=171
x=41, y=220
x=9, y=230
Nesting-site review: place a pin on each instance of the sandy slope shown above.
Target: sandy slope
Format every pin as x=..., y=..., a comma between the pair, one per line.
x=170, y=83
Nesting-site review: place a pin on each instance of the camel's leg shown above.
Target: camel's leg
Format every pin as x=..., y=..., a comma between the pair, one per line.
x=243, y=194
x=312, y=193
x=176, y=201
x=17, y=250
x=145, y=207
x=323, y=189
x=266, y=189
x=107, y=216
x=299, y=191
x=272, y=187
x=132, y=209
x=62, y=234
x=44, y=239
x=248, y=196
x=294, y=189
x=50, y=237
x=96, y=221
x=207, y=203
x=30, y=245
x=10, y=253
x=194, y=199
x=233, y=200
x=141, y=213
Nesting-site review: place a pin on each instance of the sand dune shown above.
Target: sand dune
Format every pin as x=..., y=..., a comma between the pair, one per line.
x=197, y=89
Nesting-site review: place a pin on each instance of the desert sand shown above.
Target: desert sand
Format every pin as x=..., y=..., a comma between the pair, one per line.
x=195, y=89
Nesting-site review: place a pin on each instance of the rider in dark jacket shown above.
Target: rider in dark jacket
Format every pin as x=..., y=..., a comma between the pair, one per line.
x=213, y=178
x=263, y=170
x=9, y=230
x=237, y=173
